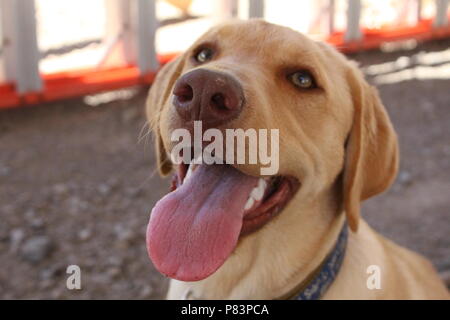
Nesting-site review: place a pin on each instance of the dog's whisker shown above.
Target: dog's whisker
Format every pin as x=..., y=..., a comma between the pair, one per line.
x=142, y=134
x=152, y=174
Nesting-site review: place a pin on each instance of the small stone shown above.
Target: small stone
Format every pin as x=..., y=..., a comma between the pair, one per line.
x=7, y=210
x=50, y=272
x=104, y=189
x=405, y=177
x=113, y=272
x=113, y=183
x=37, y=223
x=115, y=261
x=3, y=233
x=84, y=234
x=56, y=293
x=146, y=292
x=76, y=205
x=30, y=214
x=46, y=283
x=15, y=239
x=4, y=171
x=124, y=235
x=48, y=276
x=60, y=189
x=36, y=249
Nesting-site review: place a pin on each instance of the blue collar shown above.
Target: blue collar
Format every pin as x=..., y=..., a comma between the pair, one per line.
x=324, y=276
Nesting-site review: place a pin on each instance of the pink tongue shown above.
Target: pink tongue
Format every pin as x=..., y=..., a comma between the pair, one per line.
x=194, y=229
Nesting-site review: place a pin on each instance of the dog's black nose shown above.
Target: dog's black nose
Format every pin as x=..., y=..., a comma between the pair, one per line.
x=210, y=96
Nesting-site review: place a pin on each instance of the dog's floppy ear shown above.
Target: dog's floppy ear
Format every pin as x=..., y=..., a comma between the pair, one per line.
x=159, y=93
x=371, y=160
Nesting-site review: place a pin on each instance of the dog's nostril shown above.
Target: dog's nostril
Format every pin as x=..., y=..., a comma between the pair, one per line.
x=208, y=96
x=218, y=101
x=184, y=93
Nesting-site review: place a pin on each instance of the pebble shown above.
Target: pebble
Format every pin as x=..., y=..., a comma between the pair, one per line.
x=60, y=189
x=124, y=235
x=37, y=223
x=113, y=272
x=36, y=249
x=405, y=178
x=56, y=293
x=104, y=189
x=7, y=210
x=116, y=261
x=15, y=239
x=4, y=236
x=76, y=205
x=84, y=234
x=30, y=214
x=50, y=272
x=33, y=220
x=4, y=171
x=146, y=292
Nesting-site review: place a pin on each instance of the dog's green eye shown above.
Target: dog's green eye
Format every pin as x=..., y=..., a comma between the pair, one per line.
x=204, y=55
x=302, y=79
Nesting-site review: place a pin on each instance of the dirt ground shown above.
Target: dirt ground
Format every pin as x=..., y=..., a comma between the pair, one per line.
x=77, y=186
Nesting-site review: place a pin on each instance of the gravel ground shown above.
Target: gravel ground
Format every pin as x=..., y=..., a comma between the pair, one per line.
x=77, y=185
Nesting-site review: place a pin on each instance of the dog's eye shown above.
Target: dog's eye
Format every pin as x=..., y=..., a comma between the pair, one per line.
x=204, y=55
x=302, y=79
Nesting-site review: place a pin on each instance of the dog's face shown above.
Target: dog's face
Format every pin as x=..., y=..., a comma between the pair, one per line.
x=334, y=136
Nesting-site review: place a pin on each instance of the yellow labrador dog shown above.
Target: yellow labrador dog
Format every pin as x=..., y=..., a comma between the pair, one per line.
x=226, y=231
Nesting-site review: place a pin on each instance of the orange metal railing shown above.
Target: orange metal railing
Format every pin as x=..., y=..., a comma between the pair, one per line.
x=82, y=82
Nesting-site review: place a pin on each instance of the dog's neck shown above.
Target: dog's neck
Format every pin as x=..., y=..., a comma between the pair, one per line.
x=269, y=264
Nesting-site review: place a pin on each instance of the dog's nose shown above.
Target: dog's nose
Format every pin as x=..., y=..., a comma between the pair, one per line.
x=210, y=96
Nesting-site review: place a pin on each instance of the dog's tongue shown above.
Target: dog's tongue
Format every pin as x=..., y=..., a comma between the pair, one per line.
x=193, y=229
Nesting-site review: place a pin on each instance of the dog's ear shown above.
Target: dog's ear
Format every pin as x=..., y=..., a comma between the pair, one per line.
x=371, y=160
x=159, y=93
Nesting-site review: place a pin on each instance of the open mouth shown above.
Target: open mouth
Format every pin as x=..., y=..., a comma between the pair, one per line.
x=265, y=200
x=194, y=228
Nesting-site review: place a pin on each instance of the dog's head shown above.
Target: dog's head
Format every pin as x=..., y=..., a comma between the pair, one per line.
x=334, y=136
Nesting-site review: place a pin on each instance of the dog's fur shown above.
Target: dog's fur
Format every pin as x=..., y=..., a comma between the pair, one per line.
x=337, y=140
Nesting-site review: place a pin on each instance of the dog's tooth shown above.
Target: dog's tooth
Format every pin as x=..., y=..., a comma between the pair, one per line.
x=249, y=203
x=189, y=172
x=262, y=183
x=195, y=163
x=258, y=192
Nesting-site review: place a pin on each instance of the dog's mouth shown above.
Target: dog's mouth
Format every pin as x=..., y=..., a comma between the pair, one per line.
x=194, y=228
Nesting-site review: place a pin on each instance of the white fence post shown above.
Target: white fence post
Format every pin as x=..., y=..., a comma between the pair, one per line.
x=21, y=52
x=441, y=18
x=145, y=36
x=132, y=25
x=331, y=11
x=119, y=30
x=353, y=16
x=256, y=9
x=418, y=10
x=225, y=9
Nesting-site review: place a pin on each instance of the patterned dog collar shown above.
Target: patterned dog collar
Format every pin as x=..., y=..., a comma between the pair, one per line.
x=320, y=280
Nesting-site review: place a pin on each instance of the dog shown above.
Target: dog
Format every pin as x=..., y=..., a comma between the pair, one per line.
x=304, y=239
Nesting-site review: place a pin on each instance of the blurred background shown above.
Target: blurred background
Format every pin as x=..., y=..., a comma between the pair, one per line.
x=77, y=169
